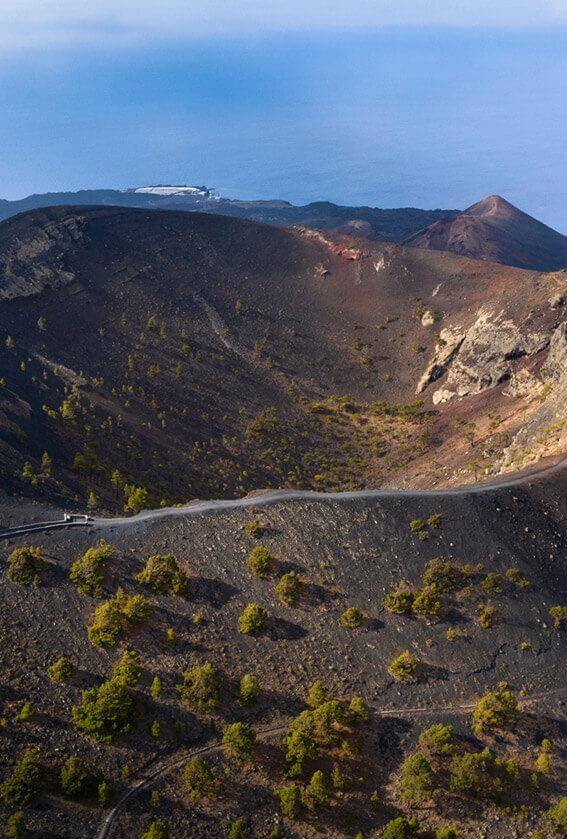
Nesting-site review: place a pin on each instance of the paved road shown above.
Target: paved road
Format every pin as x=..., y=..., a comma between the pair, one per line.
x=23, y=529
x=162, y=767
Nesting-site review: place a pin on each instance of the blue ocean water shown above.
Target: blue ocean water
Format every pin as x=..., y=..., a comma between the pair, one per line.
x=428, y=118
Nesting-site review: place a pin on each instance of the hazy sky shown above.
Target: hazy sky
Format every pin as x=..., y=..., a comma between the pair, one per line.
x=384, y=102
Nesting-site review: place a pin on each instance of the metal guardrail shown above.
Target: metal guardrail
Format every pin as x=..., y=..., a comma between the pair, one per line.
x=38, y=527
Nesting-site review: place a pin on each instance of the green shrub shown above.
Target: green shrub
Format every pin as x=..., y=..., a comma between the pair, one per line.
x=25, y=783
x=557, y=816
x=486, y=616
x=163, y=575
x=249, y=689
x=403, y=667
x=238, y=740
x=437, y=740
x=299, y=742
x=61, y=671
x=155, y=688
x=104, y=794
x=116, y=616
x=253, y=620
x=106, y=712
x=400, y=828
x=427, y=603
x=289, y=589
x=351, y=618
x=89, y=571
x=136, y=499
x=358, y=710
x=26, y=566
x=447, y=833
x=254, y=528
x=240, y=829
x=290, y=800
x=198, y=780
x=417, y=780
x=440, y=575
x=260, y=562
x=325, y=719
x=16, y=826
x=200, y=688
x=127, y=670
x=559, y=615
x=157, y=830
x=318, y=790
x=27, y=712
x=470, y=772
x=515, y=577
x=400, y=601
x=77, y=781
x=317, y=694
x=493, y=583
x=495, y=711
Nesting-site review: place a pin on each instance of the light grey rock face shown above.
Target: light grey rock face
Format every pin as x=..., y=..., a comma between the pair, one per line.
x=486, y=354
x=555, y=367
x=442, y=395
x=481, y=357
x=30, y=265
x=450, y=339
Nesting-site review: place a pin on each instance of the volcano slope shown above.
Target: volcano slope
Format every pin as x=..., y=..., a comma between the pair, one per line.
x=153, y=357
x=496, y=230
x=504, y=553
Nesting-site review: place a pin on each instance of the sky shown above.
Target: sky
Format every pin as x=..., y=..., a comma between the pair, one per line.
x=381, y=102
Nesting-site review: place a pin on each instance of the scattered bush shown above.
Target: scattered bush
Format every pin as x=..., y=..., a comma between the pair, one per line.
x=495, y=711
x=515, y=577
x=470, y=772
x=249, y=689
x=240, y=829
x=76, y=780
x=104, y=794
x=137, y=499
x=260, y=562
x=155, y=688
x=254, y=528
x=300, y=743
x=290, y=800
x=437, y=740
x=486, y=616
x=253, y=620
x=318, y=790
x=403, y=667
x=440, y=576
x=557, y=816
x=238, y=739
x=115, y=616
x=417, y=780
x=493, y=583
x=157, y=830
x=351, y=618
x=61, y=671
x=427, y=603
x=198, y=780
x=559, y=615
x=26, y=566
x=289, y=588
x=127, y=670
x=27, y=712
x=106, y=712
x=400, y=828
x=447, y=833
x=317, y=694
x=200, y=688
x=400, y=601
x=89, y=571
x=358, y=710
x=25, y=783
x=163, y=575
x=16, y=826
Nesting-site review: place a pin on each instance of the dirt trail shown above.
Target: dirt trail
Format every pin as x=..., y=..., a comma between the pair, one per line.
x=160, y=768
